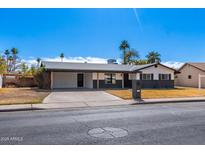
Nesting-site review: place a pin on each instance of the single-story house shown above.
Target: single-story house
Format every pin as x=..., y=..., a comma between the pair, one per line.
x=189, y=75
x=89, y=75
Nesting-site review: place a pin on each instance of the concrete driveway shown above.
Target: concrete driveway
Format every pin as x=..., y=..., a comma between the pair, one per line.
x=81, y=98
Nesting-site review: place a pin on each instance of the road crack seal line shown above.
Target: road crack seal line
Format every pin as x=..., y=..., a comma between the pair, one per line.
x=107, y=132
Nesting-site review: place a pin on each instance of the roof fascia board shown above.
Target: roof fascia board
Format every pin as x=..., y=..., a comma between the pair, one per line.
x=160, y=65
x=196, y=67
x=182, y=66
x=100, y=71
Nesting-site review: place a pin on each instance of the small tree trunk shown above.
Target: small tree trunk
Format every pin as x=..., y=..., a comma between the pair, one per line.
x=124, y=58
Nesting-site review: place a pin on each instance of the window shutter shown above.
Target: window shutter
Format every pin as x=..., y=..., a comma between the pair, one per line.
x=169, y=76
x=152, y=76
x=159, y=76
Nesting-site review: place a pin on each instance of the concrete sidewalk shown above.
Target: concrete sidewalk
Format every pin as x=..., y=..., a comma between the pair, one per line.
x=170, y=100
x=61, y=105
x=45, y=106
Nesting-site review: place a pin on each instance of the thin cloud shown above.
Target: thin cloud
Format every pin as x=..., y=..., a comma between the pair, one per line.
x=78, y=59
x=32, y=61
x=173, y=64
x=138, y=18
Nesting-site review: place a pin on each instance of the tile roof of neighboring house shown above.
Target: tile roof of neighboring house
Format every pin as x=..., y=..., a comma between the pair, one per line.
x=200, y=66
x=67, y=66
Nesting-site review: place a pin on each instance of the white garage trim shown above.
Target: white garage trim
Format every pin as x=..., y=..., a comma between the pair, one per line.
x=70, y=80
x=64, y=80
x=1, y=81
x=200, y=76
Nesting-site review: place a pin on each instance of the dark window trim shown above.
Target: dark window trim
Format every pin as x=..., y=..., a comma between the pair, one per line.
x=141, y=76
x=169, y=77
x=111, y=78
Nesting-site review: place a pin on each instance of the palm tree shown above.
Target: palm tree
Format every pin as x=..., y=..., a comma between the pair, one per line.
x=14, y=53
x=123, y=47
x=141, y=62
x=10, y=61
x=131, y=56
x=38, y=61
x=7, y=53
x=153, y=57
x=62, y=56
x=10, y=58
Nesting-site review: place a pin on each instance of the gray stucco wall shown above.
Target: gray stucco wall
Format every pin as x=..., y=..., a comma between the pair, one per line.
x=154, y=84
x=144, y=84
x=157, y=84
x=103, y=85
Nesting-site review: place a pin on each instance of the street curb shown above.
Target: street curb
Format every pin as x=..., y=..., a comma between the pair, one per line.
x=138, y=102
x=20, y=109
x=171, y=101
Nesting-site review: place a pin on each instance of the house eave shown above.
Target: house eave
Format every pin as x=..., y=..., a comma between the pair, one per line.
x=90, y=71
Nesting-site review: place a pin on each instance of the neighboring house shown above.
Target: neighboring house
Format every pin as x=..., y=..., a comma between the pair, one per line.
x=87, y=75
x=189, y=75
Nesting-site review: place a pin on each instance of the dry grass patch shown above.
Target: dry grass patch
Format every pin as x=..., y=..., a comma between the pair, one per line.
x=161, y=93
x=4, y=90
x=10, y=96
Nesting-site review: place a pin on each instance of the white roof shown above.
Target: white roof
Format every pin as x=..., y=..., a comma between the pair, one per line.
x=67, y=66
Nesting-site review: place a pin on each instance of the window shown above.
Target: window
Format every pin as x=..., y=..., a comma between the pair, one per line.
x=189, y=76
x=110, y=78
x=164, y=76
x=147, y=76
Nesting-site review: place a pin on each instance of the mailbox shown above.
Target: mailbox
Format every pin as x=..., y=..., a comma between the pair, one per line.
x=136, y=89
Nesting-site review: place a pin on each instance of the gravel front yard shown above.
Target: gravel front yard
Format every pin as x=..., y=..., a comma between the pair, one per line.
x=160, y=93
x=10, y=96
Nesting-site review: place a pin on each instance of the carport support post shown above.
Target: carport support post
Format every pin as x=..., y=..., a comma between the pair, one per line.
x=97, y=80
x=51, y=76
x=136, y=87
x=123, y=84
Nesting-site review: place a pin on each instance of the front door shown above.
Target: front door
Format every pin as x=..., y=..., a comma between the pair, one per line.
x=127, y=82
x=80, y=80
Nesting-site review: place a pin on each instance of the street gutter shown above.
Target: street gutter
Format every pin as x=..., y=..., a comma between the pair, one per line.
x=167, y=100
x=30, y=107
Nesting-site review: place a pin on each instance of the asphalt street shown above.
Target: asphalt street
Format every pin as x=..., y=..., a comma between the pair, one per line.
x=173, y=123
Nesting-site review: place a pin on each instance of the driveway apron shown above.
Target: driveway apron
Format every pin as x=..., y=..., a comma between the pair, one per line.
x=82, y=98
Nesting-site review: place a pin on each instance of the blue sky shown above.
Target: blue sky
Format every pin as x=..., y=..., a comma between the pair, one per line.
x=177, y=34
